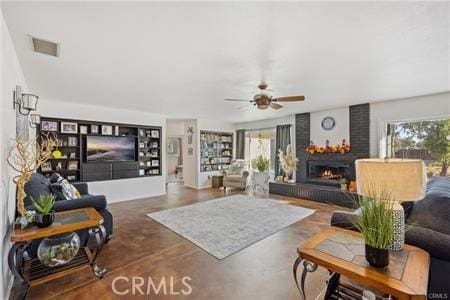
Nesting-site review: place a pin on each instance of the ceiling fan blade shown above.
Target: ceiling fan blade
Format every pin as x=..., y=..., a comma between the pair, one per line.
x=275, y=105
x=247, y=105
x=237, y=100
x=289, y=99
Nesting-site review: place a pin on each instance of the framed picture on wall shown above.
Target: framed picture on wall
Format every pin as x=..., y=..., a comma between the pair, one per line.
x=69, y=127
x=94, y=129
x=83, y=129
x=49, y=126
x=155, y=133
x=107, y=130
x=173, y=148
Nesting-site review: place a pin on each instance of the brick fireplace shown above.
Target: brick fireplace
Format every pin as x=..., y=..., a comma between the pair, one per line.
x=341, y=164
x=318, y=175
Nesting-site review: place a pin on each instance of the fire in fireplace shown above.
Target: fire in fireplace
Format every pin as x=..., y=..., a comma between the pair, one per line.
x=329, y=172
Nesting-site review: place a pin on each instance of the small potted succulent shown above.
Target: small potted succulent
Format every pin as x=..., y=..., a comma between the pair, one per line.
x=344, y=183
x=376, y=225
x=45, y=215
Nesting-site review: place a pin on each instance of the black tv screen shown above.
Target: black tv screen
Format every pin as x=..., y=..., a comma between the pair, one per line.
x=110, y=148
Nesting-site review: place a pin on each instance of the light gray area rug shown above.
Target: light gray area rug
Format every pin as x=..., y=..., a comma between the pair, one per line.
x=226, y=225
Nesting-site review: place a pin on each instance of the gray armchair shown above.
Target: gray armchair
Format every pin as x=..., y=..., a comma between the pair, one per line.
x=236, y=175
x=429, y=229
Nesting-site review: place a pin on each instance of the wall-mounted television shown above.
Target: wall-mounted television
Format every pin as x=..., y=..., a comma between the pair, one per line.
x=110, y=148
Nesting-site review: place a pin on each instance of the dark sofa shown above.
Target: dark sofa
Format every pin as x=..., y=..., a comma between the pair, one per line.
x=428, y=228
x=40, y=185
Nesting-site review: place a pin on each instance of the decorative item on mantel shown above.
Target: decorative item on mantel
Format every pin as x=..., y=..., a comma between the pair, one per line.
x=342, y=148
x=288, y=162
x=344, y=183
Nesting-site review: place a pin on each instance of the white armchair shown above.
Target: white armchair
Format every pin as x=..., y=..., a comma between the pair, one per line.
x=236, y=175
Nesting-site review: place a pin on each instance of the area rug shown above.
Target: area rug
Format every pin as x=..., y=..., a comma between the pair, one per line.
x=226, y=225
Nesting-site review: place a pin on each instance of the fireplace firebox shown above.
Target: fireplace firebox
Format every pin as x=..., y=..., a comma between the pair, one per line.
x=330, y=172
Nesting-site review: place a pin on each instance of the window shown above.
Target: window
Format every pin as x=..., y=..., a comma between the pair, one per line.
x=427, y=140
x=261, y=142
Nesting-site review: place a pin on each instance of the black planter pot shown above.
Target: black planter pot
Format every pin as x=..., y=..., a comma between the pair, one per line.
x=42, y=221
x=377, y=257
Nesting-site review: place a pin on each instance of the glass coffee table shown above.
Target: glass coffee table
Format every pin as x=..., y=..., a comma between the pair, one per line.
x=342, y=252
x=32, y=272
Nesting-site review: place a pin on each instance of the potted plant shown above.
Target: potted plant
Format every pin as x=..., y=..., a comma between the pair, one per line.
x=45, y=216
x=260, y=178
x=344, y=183
x=288, y=162
x=261, y=164
x=376, y=225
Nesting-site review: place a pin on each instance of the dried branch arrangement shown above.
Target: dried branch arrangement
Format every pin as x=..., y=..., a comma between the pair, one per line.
x=25, y=157
x=288, y=161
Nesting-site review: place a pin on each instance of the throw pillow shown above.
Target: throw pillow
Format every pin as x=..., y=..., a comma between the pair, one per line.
x=63, y=186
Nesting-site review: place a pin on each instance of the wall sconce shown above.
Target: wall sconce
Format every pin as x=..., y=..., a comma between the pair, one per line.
x=26, y=102
x=35, y=120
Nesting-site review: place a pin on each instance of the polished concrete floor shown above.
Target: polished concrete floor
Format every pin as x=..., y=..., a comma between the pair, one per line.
x=148, y=251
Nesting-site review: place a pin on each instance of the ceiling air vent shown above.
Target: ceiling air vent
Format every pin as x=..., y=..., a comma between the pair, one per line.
x=45, y=47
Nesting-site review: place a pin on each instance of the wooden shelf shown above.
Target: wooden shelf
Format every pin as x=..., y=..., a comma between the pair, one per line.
x=212, y=145
x=141, y=133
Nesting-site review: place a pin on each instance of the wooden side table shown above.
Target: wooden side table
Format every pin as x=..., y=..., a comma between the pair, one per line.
x=217, y=181
x=342, y=252
x=31, y=272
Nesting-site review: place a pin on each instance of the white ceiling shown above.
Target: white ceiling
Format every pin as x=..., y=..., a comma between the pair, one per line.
x=183, y=59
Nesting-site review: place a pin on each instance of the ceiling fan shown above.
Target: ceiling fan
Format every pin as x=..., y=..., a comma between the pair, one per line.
x=264, y=99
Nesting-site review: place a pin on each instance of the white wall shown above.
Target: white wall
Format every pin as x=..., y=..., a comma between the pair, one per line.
x=190, y=161
x=11, y=75
x=204, y=178
x=339, y=132
x=408, y=109
x=123, y=189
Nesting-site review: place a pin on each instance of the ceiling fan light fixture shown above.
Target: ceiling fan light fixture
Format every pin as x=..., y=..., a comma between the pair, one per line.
x=263, y=106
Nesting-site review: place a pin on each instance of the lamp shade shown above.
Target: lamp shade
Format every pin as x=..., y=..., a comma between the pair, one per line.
x=403, y=179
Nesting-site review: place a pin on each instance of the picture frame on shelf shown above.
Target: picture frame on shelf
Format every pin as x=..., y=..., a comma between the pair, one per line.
x=46, y=166
x=141, y=172
x=154, y=144
x=154, y=153
x=72, y=165
x=155, y=163
x=59, y=166
x=149, y=164
x=72, y=155
x=72, y=141
x=94, y=129
x=69, y=127
x=141, y=132
x=49, y=126
x=107, y=130
x=155, y=133
x=71, y=177
x=155, y=172
x=83, y=129
x=141, y=145
x=141, y=154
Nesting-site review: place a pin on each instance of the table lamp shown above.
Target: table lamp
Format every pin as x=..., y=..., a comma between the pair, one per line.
x=402, y=179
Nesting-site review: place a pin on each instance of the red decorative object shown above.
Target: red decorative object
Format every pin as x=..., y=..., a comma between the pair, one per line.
x=342, y=149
